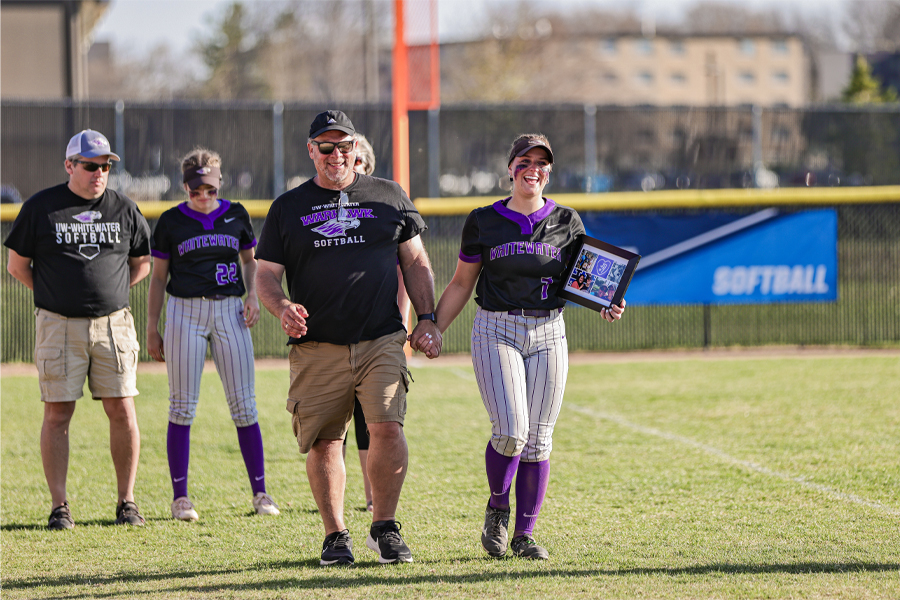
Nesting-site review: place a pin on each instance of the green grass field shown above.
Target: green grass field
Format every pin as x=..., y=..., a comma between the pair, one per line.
x=688, y=478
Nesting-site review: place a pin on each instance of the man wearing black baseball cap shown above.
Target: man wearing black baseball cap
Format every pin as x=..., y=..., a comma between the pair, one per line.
x=80, y=247
x=338, y=238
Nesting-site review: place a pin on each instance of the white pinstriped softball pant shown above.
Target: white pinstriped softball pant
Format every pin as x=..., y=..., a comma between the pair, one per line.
x=192, y=324
x=521, y=364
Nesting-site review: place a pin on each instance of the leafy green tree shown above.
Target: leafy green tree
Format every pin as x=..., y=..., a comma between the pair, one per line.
x=864, y=88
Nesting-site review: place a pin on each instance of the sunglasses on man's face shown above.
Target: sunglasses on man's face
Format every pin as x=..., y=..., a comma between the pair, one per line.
x=90, y=167
x=328, y=147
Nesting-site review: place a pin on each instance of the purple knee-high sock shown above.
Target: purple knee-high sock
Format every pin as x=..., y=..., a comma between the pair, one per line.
x=250, y=441
x=531, y=487
x=500, y=472
x=178, y=447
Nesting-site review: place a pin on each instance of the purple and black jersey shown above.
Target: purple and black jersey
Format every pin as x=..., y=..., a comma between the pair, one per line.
x=523, y=256
x=204, y=250
x=339, y=251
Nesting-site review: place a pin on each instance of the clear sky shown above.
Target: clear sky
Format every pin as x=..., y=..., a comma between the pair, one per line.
x=142, y=24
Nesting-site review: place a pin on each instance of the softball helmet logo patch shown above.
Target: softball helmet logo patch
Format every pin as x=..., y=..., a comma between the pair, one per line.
x=88, y=216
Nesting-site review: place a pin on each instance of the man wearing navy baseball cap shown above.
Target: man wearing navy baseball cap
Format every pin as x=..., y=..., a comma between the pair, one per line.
x=337, y=239
x=80, y=247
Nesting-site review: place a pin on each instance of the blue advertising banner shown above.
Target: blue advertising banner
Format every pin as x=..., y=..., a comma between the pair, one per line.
x=721, y=258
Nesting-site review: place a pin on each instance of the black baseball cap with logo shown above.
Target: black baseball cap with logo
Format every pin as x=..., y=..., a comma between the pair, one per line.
x=525, y=144
x=331, y=120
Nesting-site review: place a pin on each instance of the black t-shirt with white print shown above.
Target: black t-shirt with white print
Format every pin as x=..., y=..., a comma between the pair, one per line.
x=80, y=249
x=523, y=256
x=339, y=250
x=203, y=250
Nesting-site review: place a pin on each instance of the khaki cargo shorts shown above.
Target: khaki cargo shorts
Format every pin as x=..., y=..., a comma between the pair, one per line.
x=103, y=349
x=327, y=378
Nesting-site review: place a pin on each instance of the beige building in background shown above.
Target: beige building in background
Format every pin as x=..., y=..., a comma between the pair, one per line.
x=665, y=69
x=44, y=45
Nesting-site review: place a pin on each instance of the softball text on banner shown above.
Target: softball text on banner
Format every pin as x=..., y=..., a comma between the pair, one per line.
x=722, y=258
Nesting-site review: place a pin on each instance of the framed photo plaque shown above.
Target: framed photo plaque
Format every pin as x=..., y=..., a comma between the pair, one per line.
x=598, y=274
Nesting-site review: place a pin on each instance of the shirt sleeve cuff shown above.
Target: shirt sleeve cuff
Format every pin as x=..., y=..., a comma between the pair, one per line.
x=468, y=258
x=158, y=254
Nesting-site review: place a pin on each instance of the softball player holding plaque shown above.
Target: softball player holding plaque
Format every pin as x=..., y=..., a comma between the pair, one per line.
x=203, y=248
x=514, y=254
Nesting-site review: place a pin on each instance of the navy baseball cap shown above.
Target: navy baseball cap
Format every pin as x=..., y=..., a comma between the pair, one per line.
x=331, y=120
x=89, y=144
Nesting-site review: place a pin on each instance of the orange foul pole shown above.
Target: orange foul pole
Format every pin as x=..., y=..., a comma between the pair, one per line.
x=401, y=100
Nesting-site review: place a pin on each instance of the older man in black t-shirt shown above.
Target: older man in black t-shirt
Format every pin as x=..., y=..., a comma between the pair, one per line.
x=80, y=247
x=338, y=238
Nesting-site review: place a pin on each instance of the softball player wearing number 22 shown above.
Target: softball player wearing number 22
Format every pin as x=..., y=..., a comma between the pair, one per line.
x=513, y=255
x=200, y=247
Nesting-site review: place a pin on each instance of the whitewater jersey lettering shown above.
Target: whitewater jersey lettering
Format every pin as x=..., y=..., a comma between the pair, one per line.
x=523, y=256
x=203, y=250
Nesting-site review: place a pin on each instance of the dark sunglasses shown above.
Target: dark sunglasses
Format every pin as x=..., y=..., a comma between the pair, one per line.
x=90, y=167
x=328, y=147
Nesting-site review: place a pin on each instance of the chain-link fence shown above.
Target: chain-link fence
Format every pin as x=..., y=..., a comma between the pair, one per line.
x=461, y=150
x=867, y=312
x=596, y=149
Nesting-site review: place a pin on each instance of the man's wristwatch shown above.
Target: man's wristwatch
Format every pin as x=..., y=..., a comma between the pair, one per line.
x=427, y=317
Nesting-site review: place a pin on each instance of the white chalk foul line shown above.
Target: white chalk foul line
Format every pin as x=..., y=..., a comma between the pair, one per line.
x=736, y=461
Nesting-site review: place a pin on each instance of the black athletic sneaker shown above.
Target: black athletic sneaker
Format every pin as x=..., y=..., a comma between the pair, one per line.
x=526, y=547
x=128, y=514
x=61, y=518
x=384, y=538
x=495, y=535
x=337, y=549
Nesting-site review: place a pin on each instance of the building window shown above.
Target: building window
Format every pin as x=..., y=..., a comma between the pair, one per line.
x=644, y=78
x=608, y=46
x=676, y=47
x=781, y=77
x=747, y=47
x=780, y=133
x=678, y=78
x=643, y=47
x=747, y=77
x=779, y=47
x=609, y=78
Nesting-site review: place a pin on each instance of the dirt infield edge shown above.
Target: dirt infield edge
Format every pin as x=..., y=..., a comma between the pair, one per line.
x=575, y=358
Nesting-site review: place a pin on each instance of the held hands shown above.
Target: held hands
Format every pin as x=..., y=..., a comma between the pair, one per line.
x=155, y=345
x=293, y=320
x=613, y=313
x=427, y=338
x=251, y=311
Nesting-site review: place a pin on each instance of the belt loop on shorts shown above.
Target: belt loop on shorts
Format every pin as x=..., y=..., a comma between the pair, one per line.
x=527, y=312
x=214, y=297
